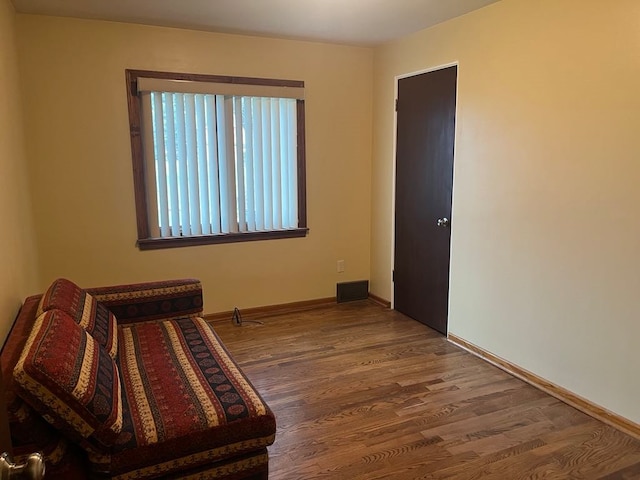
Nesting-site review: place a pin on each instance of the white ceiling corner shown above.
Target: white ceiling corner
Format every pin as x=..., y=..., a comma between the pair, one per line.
x=352, y=22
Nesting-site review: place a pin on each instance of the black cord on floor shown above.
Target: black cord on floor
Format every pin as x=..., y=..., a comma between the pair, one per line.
x=237, y=319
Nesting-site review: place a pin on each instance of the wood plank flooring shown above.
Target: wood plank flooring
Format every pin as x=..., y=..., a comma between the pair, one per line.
x=363, y=392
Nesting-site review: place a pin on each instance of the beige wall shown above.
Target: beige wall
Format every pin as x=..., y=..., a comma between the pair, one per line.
x=17, y=249
x=546, y=216
x=76, y=115
x=544, y=240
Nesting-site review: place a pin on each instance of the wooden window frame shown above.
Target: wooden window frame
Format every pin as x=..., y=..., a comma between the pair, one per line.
x=145, y=241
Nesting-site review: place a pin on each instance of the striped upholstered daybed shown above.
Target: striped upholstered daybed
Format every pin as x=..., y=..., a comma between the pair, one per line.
x=128, y=382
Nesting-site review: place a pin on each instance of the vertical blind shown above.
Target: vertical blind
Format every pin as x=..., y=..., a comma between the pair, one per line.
x=221, y=163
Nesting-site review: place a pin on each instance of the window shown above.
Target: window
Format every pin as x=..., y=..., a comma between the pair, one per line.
x=216, y=159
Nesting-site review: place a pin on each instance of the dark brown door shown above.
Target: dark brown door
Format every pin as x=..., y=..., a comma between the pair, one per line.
x=424, y=181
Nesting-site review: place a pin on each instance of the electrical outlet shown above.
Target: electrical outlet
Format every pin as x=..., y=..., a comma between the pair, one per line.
x=340, y=266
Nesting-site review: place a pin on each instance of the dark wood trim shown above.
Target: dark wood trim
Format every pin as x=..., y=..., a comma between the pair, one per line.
x=302, y=166
x=562, y=394
x=199, y=77
x=137, y=154
x=380, y=300
x=269, y=310
x=175, y=242
x=145, y=242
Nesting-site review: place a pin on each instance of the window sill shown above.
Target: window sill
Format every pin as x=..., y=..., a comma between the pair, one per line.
x=176, y=242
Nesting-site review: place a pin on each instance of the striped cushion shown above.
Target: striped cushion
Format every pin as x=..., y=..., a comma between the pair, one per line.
x=70, y=380
x=90, y=314
x=29, y=431
x=161, y=300
x=185, y=402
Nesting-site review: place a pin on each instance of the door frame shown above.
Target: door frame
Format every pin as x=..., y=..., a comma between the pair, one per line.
x=397, y=79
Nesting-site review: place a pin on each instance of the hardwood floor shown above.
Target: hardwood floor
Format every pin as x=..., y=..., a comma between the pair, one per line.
x=362, y=392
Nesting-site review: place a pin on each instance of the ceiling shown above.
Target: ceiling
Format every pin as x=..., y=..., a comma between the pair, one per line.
x=352, y=22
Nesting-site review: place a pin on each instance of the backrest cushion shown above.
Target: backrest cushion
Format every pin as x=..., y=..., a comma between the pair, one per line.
x=29, y=431
x=70, y=380
x=87, y=312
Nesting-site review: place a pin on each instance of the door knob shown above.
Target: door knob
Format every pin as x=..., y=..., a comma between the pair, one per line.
x=443, y=222
x=32, y=469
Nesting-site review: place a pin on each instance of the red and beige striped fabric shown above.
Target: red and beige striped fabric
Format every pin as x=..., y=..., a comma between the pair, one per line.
x=160, y=300
x=185, y=401
x=172, y=404
x=65, y=375
x=90, y=314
